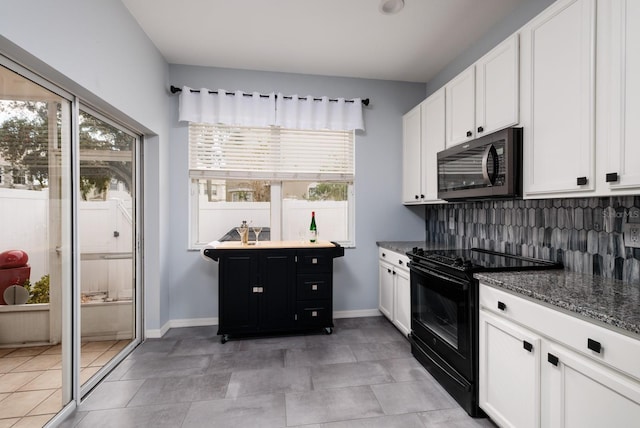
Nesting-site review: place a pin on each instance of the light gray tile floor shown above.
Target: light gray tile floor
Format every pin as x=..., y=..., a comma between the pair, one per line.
x=362, y=375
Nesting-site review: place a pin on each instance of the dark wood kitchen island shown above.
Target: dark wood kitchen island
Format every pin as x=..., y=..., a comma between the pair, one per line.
x=274, y=286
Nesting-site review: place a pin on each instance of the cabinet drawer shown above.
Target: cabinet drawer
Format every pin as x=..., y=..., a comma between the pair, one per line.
x=314, y=262
x=314, y=286
x=316, y=312
x=602, y=344
x=396, y=259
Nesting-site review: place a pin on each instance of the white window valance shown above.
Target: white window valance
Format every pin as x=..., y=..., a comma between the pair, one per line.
x=229, y=108
x=241, y=109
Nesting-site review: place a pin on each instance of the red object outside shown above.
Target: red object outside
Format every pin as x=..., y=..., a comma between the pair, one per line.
x=14, y=269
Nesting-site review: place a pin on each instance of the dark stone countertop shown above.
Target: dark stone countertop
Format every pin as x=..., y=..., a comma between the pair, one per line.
x=406, y=246
x=400, y=246
x=610, y=302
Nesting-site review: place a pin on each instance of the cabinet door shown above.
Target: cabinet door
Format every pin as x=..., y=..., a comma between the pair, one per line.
x=238, y=294
x=460, y=101
x=618, y=95
x=385, y=289
x=581, y=393
x=411, y=168
x=509, y=359
x=558, y=92
x=433, y=141
x=402, y=301
x=277, y=279
x=498, y=88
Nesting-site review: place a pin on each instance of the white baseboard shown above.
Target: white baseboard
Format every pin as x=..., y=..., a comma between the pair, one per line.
x=198, y=322
x=357, y=313
x=186, y=322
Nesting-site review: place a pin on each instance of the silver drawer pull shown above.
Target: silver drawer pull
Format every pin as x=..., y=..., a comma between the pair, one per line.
x=314, y=313
x=314, y=261
x=314, y=287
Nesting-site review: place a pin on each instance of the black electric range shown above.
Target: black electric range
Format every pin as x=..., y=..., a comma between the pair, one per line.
x=468, y=261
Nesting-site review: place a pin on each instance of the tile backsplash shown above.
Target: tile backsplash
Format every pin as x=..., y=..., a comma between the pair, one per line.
x=585, y=234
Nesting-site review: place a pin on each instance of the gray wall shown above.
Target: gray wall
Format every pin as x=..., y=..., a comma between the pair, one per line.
x=516, y=19
x=379, y=212
x=97, y=51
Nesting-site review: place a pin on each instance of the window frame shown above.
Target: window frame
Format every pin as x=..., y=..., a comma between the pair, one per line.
x=276, y=203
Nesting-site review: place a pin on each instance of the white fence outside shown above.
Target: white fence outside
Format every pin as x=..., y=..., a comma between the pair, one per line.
x=218, y=218
x=24, y=216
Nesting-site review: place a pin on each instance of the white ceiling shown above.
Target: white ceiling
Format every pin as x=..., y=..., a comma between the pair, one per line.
x=325, y=37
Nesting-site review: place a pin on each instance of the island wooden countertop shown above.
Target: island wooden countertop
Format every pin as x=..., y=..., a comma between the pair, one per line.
x=264, y=245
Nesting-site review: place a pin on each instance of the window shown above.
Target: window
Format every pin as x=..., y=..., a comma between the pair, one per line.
x=271, y=177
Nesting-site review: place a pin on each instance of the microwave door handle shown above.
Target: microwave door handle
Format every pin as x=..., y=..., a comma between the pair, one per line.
x=488, y=179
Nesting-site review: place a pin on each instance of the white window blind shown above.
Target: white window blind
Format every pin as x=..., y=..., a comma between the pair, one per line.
x=226, y=151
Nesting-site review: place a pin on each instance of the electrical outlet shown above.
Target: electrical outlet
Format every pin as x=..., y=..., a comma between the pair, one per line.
x=631, y=235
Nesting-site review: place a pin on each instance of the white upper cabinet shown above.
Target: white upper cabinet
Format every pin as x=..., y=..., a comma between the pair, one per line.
x=485, y=97
x=423, y=138
x=618, y=96
x=460, y=116
x=411, y=156
x=558, y=100
x=498, y=88
x=433, y=141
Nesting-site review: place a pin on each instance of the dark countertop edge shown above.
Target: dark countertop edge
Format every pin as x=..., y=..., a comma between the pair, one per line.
x=588, y=314
x=401, y=247
x=406, y=246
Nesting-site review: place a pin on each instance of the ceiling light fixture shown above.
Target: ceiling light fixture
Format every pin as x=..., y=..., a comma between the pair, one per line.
x=390, y=7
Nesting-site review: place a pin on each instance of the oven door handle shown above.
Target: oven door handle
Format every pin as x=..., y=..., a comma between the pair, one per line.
x=490, y=176
x=464, y=285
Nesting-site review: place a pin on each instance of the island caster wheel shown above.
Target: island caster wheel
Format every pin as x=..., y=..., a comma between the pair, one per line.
x=328, y=330
x=224, y=339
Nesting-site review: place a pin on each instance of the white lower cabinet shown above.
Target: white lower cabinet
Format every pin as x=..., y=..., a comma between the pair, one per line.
x=579, y=392
x=509, y=373
x=385, y=288
x=540, y=367
x=394, y=295
x=402, y=304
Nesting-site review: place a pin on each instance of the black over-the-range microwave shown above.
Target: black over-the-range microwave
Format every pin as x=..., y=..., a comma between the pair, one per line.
x=485, y=168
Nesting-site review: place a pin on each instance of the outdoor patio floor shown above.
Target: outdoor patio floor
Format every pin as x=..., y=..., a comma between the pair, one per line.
x=31, y=379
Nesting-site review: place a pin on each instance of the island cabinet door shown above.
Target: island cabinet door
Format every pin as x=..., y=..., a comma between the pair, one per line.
x=277, y=290
x=239, y=293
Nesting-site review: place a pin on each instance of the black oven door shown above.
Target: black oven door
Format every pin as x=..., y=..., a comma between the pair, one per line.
x=441, y=318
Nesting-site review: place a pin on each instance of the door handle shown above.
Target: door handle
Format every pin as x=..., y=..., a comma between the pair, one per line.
x=469, y=133
x=502, y=306
x=581, y=181
x=612, y=177
x=526, y=345
x=553, y=359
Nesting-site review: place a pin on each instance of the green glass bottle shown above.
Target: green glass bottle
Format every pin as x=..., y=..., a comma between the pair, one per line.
x=313, y=230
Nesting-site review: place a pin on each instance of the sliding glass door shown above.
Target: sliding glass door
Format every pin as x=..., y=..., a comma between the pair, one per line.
x=69, y=247
x=36, y=248
x=107, y=236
